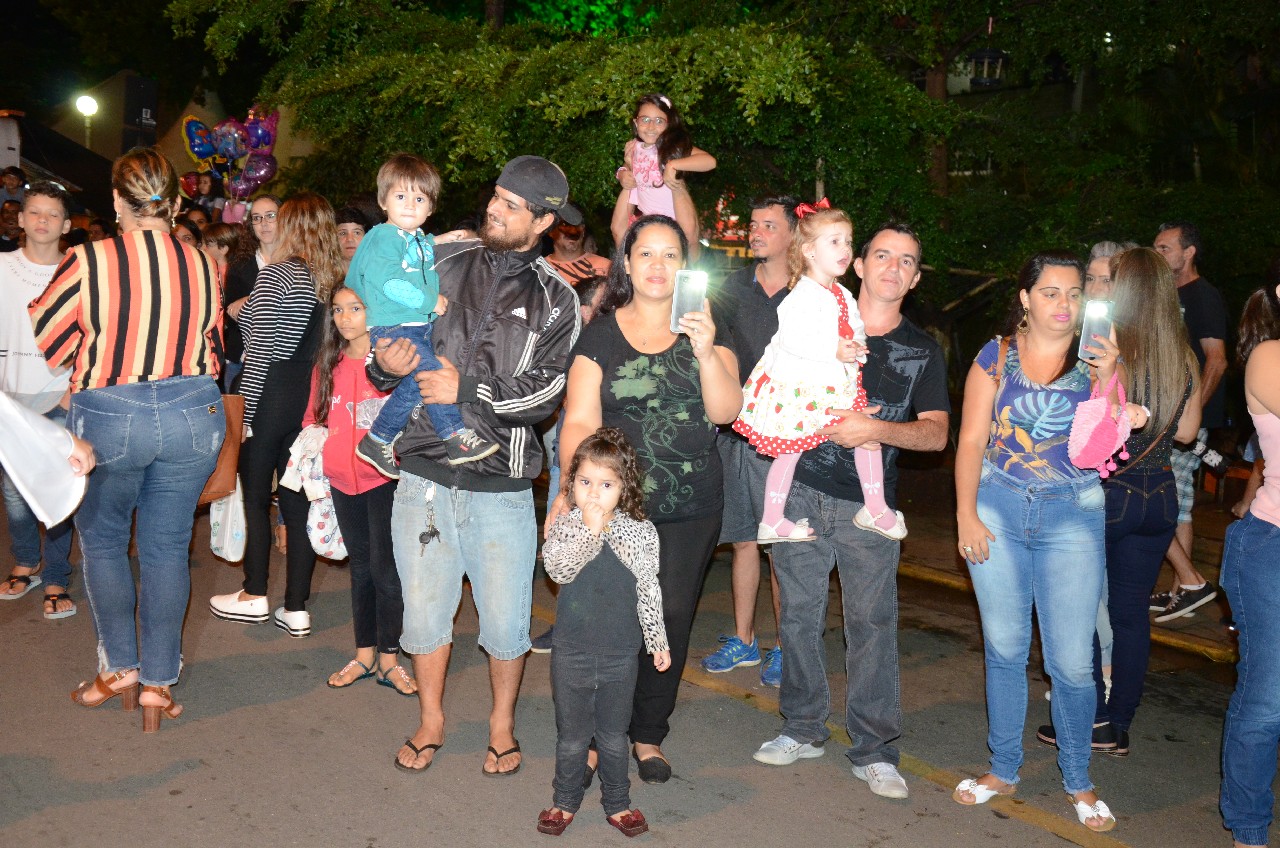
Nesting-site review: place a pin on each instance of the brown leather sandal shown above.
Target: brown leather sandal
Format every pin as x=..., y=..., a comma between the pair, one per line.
x=102, y=691
x=160, y=706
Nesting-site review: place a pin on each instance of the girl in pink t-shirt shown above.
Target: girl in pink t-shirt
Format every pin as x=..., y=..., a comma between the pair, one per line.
x=343, y=399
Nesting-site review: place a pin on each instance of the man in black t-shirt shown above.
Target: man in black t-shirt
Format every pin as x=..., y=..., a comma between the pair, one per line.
x=1205, y=315
x=906, y=384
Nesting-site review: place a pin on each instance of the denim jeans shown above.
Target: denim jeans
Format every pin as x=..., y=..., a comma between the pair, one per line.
x=394, y=415
x=490, y=538
x=377, y=605
x=1251, y=579
x=1048, y=552
x=24, y=530
x=1142, y=516
x=593, y=695
x=868, y=564
x=156, y=443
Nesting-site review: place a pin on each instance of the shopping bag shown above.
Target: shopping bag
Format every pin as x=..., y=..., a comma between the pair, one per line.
x=227, y=526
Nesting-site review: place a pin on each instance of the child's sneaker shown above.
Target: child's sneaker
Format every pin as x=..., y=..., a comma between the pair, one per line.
x=465, y=446
x=380, y=455
x=1210, y=458
x=867, y=521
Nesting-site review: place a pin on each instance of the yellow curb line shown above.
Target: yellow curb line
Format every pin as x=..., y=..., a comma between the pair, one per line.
x=1072, y=832
x=1169, y=638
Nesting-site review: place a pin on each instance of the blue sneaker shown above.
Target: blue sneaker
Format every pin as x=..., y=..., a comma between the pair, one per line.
x=771, y=671
x=733, y=653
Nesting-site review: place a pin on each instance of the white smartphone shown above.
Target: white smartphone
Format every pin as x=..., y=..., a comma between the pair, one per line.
x=691, y=291
x=1097, y=322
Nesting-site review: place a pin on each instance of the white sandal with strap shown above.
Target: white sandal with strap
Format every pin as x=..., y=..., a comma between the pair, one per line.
x=980, y=791
x=801, y=532
x=1097, y=810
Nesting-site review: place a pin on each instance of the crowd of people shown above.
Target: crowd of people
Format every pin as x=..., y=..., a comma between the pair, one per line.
x=771, y=418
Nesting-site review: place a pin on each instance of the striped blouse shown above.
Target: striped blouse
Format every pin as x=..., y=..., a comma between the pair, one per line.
x=139, y=307
x=274, y=322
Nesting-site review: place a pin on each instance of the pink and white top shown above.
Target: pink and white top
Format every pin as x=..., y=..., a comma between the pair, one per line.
x=652, y=196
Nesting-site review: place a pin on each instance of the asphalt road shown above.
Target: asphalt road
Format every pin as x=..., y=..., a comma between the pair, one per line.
x=266, y=754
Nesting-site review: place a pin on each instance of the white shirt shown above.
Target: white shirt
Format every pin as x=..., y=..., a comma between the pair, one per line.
x=25, y=375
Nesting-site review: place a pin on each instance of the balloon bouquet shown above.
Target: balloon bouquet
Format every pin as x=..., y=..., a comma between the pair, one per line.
x=237, y=153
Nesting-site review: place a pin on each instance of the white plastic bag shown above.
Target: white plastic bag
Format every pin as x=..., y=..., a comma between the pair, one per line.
x=34, y=454
x=323, y=530
x=227, y=526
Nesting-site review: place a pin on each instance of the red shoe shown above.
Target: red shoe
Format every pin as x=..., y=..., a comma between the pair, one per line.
x=631, y=823
x=553, y=822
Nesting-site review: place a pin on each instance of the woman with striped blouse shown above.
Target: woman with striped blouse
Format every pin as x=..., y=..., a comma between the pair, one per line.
x=282, y=325
x=138, y=319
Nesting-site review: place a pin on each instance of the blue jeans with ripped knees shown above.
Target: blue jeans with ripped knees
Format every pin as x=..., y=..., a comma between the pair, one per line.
x=1048, y=553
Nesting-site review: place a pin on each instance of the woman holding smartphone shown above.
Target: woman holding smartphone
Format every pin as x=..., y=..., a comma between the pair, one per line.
x=1159, y=374
x=1031, y=526
x=666, y=392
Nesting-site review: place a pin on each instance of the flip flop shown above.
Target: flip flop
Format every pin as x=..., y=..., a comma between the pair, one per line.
x=28, y=581
x=497, y=757
x=404, y=675
x=55, y=598
x=1096, y=810
x=368, y=672
x=417, y=752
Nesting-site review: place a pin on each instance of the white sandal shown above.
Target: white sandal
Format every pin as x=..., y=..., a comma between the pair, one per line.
x=864, y=519
x=801, y=532
x=1096, y=810
x=981, y=792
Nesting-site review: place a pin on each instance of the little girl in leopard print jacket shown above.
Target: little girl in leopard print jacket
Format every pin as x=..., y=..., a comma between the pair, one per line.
x=609, y=611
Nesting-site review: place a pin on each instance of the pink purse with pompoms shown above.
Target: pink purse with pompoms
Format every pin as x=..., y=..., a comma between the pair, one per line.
x=1099, y=430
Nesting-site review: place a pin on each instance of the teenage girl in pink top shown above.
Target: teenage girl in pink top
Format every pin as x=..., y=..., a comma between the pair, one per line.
x=1251, y=577
x=343, y=399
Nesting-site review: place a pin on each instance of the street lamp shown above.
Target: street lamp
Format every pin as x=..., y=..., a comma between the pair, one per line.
x=88, y=107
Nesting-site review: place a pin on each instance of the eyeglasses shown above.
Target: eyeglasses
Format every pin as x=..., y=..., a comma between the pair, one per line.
x=647, y=121
x=258, y=219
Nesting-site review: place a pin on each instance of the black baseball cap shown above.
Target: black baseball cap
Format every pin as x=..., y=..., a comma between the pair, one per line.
x=541, y=183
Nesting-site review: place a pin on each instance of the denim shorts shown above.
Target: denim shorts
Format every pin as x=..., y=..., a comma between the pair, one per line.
x=490, y=538
x=745, y=473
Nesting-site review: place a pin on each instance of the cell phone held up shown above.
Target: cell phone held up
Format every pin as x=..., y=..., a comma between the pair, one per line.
x=691, y=291
x=1097, y=322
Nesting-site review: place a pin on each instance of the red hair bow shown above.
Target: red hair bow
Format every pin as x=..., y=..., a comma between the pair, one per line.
x=809, y=208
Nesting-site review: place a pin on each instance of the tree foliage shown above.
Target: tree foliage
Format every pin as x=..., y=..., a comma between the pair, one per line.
x=777, y=108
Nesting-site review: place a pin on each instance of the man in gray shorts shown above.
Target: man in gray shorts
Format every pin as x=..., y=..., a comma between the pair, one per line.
x=746, y=310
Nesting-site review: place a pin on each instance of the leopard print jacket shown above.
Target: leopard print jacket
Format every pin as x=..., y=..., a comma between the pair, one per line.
x=572, y=546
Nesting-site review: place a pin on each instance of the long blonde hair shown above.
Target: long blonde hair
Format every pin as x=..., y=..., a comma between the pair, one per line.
x=308, y=233
x=1151, y=335
x=807, y=230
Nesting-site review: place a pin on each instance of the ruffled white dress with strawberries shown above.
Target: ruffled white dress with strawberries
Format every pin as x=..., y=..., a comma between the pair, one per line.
x=785, y=401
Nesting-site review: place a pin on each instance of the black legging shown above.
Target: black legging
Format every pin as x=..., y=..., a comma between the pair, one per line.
x=686, y=549
x=262, y=458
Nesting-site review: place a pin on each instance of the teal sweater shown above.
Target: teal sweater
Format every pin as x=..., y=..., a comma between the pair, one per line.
x=393, y=272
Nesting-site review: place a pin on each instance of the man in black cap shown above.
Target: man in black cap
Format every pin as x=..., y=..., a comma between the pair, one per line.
x=503, y=346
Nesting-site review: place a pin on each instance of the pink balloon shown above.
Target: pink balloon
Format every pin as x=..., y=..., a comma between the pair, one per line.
x=235, y=211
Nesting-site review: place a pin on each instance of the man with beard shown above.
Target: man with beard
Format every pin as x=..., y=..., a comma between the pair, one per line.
x=503, y=348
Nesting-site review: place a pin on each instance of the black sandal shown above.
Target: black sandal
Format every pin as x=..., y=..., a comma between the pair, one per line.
x=497, y=758
x=417, y=752
x=53, y=599
x=28, y=581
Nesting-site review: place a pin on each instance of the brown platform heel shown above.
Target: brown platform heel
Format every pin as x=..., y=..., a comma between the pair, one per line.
x=157, y=703
x=100, y=691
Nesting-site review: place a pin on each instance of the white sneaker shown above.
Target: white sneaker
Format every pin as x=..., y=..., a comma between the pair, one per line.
x=231, y=608
x=784, y=751
x=296, y=623
x=883, y=779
